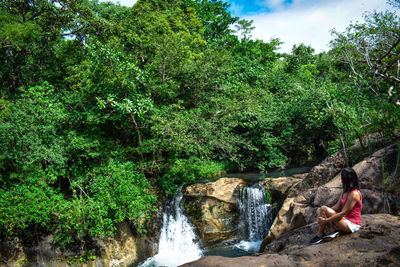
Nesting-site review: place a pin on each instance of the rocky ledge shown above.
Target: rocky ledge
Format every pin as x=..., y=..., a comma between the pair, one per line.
x=376, y=244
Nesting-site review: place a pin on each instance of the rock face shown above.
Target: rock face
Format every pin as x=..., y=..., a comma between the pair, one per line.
x=123, y=249
x=327, y=169
x=213, y=209
x=215, y=220
x=224, y=189
x=379, y=189
x=376, y=244
x=279, y=187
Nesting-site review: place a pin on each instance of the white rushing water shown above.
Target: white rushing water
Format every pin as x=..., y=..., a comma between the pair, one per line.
x=177, y=240
x=257, y=216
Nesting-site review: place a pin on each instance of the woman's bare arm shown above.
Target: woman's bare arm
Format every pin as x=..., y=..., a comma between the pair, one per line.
x=337, y=205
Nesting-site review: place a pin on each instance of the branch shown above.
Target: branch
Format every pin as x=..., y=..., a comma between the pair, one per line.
x=367, y=58
x=83, y=191
x=73, y=32
x=350, y=62
x=390, y=50
x=390, y=77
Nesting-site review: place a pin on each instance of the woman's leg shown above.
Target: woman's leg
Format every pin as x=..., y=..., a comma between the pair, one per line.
x=327, y=212
x=321, y=212
x=342, y=225
x=324, y=212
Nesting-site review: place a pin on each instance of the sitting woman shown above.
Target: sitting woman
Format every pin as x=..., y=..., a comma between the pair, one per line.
x=345, y=214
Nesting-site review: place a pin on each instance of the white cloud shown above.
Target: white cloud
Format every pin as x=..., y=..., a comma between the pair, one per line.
x=310, y=22
x=236, y=9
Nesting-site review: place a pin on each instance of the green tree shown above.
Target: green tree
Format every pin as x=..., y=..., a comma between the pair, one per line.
x=215, y=17
x=371, y=49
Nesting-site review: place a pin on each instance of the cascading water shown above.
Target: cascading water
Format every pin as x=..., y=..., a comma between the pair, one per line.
x=256, y=215
x=177, y=240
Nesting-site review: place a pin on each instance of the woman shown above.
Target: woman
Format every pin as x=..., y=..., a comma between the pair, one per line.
x=345, y=214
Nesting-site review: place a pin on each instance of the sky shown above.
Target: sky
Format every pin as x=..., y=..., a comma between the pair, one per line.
x=299, y=21
x=302, y=21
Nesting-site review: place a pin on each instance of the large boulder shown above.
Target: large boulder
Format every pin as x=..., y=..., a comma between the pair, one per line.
x=377, y=175
x=213, y=209
x=376, y=244
x=294, y=213
x=279, y=187
x=216, y=221
x=379, y=182
x=224, y=189
x=376, y=172
x=327, y=169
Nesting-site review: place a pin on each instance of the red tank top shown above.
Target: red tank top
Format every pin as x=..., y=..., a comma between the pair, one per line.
x=355, y=214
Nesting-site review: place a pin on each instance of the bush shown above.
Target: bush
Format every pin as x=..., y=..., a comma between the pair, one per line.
x=27, y=204
x=185, y=171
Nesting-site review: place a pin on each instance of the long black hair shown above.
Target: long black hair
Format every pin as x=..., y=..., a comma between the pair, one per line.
x=349, y=179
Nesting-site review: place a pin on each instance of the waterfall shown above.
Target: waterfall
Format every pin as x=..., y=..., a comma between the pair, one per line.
x=177, y=240
x=256, y=216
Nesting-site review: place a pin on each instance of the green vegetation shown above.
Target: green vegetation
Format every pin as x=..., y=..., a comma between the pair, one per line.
x=102, y=106
x=268, y=196
x=79, y=260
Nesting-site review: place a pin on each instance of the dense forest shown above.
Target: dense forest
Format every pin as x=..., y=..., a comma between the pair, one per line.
x=105, y=108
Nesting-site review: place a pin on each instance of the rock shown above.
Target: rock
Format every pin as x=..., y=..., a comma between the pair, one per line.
x=370, y=169
x=224, y=189
x=216, y=221
x=213, y=209
x=294, y=213
x=123, y=249
x=376, y=244
x=327, y=196
x=299, y=208
x=279, y=186
x=327, y=169
x=379, y=194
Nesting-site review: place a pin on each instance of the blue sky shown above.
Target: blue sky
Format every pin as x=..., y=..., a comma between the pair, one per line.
x=299, y=21
x=243, y=7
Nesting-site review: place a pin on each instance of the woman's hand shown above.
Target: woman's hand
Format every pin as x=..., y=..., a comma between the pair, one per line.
x=322, y=220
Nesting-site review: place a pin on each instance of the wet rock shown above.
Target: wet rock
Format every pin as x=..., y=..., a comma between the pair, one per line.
x=213, y=209
x=215, y=220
